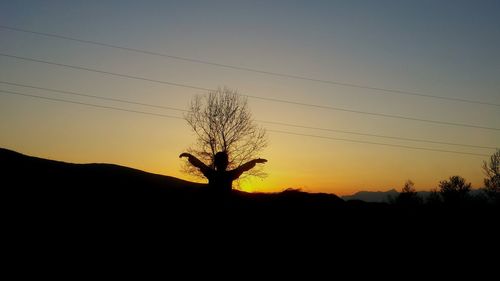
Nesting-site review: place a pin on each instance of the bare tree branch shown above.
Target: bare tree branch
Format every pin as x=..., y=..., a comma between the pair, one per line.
x=222, y=121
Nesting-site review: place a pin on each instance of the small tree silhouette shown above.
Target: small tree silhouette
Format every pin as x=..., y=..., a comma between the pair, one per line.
x=492, y=180
x=408, y=195
x=455, y=191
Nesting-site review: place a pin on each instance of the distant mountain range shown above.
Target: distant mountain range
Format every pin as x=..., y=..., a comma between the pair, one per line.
x=372, y=196
x=385, y=196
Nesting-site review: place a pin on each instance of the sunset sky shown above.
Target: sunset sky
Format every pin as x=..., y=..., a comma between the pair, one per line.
x=449, y=49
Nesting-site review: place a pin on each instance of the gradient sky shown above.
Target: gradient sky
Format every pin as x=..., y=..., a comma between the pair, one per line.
x=443, y=48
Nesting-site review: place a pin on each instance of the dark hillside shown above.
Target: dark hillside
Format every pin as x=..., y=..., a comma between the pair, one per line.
x=43, y=191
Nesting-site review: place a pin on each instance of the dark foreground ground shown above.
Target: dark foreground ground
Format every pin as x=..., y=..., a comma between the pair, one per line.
x=45, y=199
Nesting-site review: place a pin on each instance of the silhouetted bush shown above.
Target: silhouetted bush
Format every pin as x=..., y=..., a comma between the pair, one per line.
x=455, y=191
x=408, y=195
x=492, y=180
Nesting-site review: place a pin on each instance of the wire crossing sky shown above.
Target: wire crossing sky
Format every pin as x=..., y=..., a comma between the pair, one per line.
x=376, y=79
x=275, y=100
x=262, y=121
x=393, y=91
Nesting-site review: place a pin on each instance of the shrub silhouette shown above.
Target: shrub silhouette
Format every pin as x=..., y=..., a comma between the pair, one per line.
x=408, y=195
x=455, y=190
x=492, y=181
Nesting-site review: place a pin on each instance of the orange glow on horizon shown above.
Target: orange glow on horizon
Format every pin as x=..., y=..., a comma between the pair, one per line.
x=368, y=96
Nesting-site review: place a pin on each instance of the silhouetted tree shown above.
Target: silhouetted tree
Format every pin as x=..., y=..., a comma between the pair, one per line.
x=409, y=188
x=455, y=190
x=492, y=181
x=222, y=122
x=408, y=195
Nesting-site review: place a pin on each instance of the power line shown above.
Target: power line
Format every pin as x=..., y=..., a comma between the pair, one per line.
x=90, y=104
x=378, y=143
x=106, y=72
x=374, y=135
x=248, y=69
x=263, y=98
x=380, y=114
x=261, y=121
x=276, y=131
x=93, y=96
